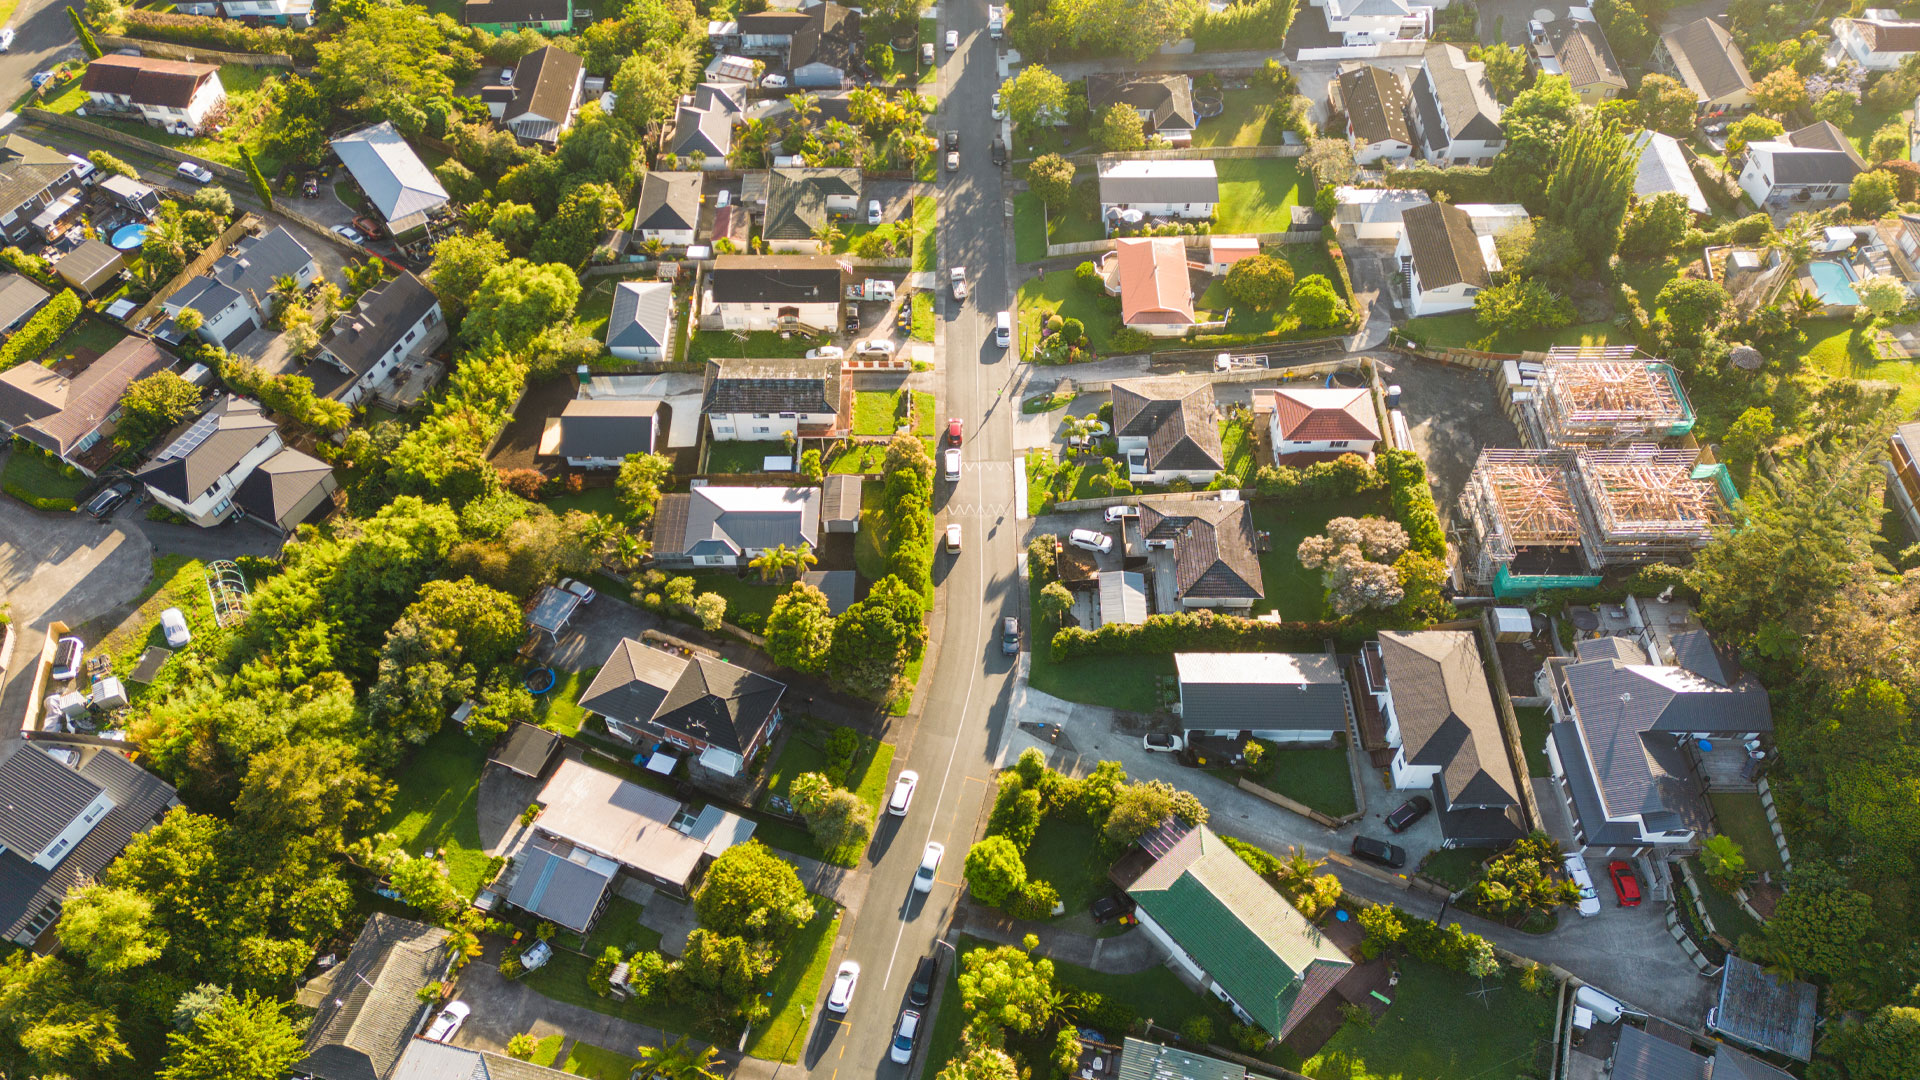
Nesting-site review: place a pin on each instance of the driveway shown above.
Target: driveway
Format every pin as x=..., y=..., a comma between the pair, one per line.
x=1453, y=414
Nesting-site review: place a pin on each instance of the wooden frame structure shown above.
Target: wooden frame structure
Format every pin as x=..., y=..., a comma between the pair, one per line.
x=1609, y=396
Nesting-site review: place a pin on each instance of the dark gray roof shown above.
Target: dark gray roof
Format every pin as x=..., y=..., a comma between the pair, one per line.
x=1261, y=691
x=206, y=448
x=634, y=681
x=797, y=200
x=1212, y=548
x=722, y=520
x=642, y=316
x=1648, y=697
x=668, y=201
x=601, y=428
x=1444, y=247
x=1376, y=104
x=839, y=586
x=1463, y=97
x=39, y=798
x=368, y=1004
x=527, y=749
x=1168, y=96
x=27, y=169
x=1587, y=807
x=276, y=489
x=722, y=96
x=1765, y=1012
x=247, y=270
x=771, y=23
x=552, y=886
x=1640, y=1056
x=769, y=279
x=1610, y=647
x=20, y=298
x=718, y=703
x=1447, y=716
x=840, y=497
x=1177, y=417
x=709, y=131
x=831, y=37
x=378, y=320
x=785, y=385
x=1816, y=154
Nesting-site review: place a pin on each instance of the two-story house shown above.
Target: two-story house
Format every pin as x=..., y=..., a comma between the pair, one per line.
x=756, y=400
x=371, y=1005
x=1811, y=167
x=173, y=95
x=32, y=178
x=1312, y=424
x=1576, y=47
x=19, y=299
x=817, y=46
x=506, y=16
x=800, y=203
x=1375, y=102
x=1367, y=24
x=1167, y=429
x=546, y=96
x=1452, y=111
x=392, y=176
x=294, y=13
x=669, y=209
x=234, y=296
x=702, y=134
x=731, y=526
x=640, y=326
x=773, y=292
x=1131, y=190
x=1903, y=475
x=1444, y=263
x=392, y=325
x=1164, y=101
x=69, y=410
x=721, y=712
x=206, y=468
x=1703, y=56
x=1880, y=40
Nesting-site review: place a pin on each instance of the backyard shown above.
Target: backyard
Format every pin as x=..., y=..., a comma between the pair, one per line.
x=559, y=708
x=1739, y=816
x=177, y=582
x=1535, y=723
x=805, y=752
x=248, y=105
x=87, y=335
x=757, y=344
x=1243, y=123
x=1257, y=195
x=1839, y=348
x=1442, y=1025
x=1317, y=776
x=41, y=480
x=1293, y=590
x=1067, y=853
x=743, y=455
x=434, y=807
x=1461, y=330
x=1120, y=682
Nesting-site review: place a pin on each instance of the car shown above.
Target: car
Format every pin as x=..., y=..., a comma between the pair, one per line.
x=873, y=211
x=197, y=173
x=579, y=588
x=68, y=653
x=6, y=39
x=953, y=40
x=826, y=352
x=853, y=321
x=1626, y=887
x=448, y=1022
x=952, y=140
x=998, y=112
x=348, y=233
x=953, y=539
x=957, y=277
x=536, y=956
x=310, y=187
x=506, y=76
x=1121, y=513
x=109, y=499
x=902, y=796
x=953, y=161
x=920, y=990
x=173, y=625
x=926, y=54
x=368, y=227
x=1110, y=907
x=774, y=82
x=999, y=150
x=902, y=1051
x=1589, y=898
x=1409, y=812
x=879, y=347
x=1163, y=743
x=1087, y=540
x=41, y=78
x=954, y=428
x=840, y=998
x=1391, y=856
x=952, y=462
x=1010, y=636
x=929, y=866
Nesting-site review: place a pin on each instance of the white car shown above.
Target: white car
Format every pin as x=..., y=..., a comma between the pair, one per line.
x=173, y=625
x=880, y=347
x=840, y=998
x=67, y=655
x=826, y=352
x=448, y=1022
x=902, y=796
x=953, y=539
x=1163, y=744
x=958, y=276
x=873, y=211
x=1088, y=540
x=902, y=1051
x=6, y=39
x=952, y=458
x=506, y=76
x=196, y=173
x=1589, y=897
x=998, y=112
x=348, y=233
x=1121, y=513
x=579, y=588
x=953, y=161
x=929, y=866
x=953, y=40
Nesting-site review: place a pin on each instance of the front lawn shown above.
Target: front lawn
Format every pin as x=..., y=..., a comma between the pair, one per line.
x=595, y=308
x=1029, y=228
x=1120, y=682
x=559, y=708
x=1293, y=590
x=875, y=412
x=42, y=481
x=1317, y=776
x=1461, y=330
x=248, y=106
x=926, y=252
x=748, y=596
x=864, y=458
x=1057, y=291
x=1439, y=1027
x=758, y=345
x=795, y=981
x=177, y=582
x=567, y=978
x=1257, y=195
x=619, y=928
x=1455, y=868
x=805, y=753
x=923, y=316
x=596, y=1064
x=1244, y=123
x=1066, y=854
x=1739, y=816
x=434, y=807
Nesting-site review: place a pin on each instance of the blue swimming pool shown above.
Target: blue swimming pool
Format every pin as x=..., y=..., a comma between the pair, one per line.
x=1832, y=281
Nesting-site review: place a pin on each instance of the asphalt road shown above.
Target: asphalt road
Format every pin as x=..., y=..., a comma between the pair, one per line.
x=964, y=713
x=42, y=35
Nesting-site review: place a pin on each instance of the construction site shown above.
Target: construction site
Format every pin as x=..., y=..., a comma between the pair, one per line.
x=1597, y=396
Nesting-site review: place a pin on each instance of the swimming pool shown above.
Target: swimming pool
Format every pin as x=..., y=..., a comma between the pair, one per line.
x=1832, y=281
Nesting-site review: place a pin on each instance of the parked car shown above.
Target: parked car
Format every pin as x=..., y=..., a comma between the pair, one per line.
x=902, y=796
x=774, y=82
x=1391, y=856
x=929, y=866
x=506, y=76
x=579, y=588
x=920, y=990
x=6, y=39
x=873, y=211
x=310, y=187
x=840, y=998
x=958, y=277
x=41, y=78
x=199, y=174
x=952, y=460
x=68, y=653
x=902, y=1051
x=953, y=40
x=109, y=499
x=368, y=227
x=348, y=233
x=536, y=956
x=1160, y=742
x=1010, y=636
x=926, y=54
x=998, y=112
x=879, y=347
x=1121, y=513
x=1109, y=907
x=1408, y=813
x=953, y=538
x=952, y=141
x=954, y=428
x=1589, y=898
x=999, y=150
x=173, y=625
x=1626, y=887
x=953, y=161
x=826, y=352
x=1088, y=540
x=448, y=1022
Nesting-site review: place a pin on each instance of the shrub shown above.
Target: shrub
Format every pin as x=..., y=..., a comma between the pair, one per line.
x=1088, y=275
x=1200, y=631
x=1128, y=340
x=842, y=745
x=1197, y=1029
x=1250, y=1038
x=42, y=330
x=1033, y=901
x=1412, y=499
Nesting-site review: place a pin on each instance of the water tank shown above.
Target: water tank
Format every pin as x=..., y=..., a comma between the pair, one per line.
x=1604, y=1007
x=1393, y=396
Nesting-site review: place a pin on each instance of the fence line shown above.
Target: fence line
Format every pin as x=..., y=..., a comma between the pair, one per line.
x=173, y=50
x=1198, y=242
x=132, y=142
x=1191, y=153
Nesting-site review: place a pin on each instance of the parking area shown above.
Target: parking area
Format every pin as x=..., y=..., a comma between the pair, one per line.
x=1453, y=414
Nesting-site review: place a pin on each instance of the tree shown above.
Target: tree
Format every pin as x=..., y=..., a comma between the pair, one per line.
x=875, y=638
x=109, y=164
x=1835, y=107
x=389, y=58
x=243, y=1038
x=1889, y=143
x=1005, y=987
x=1666, y=106
x=1329, y=162
x=994, y=870
x=1591, y=186
x=1751, y=128
x=1016, y=811
x=644, y=92
x=1050, y=176
x=638, y=484
x=517, y=224
x=799, y=629
x=1522, y=304
x=1353, y=559
x=439, y=651
x=775, y=562
x=517, y=300
x=1656, y=225
x=710, y=611
x=1144, y=805
x=189, y=319
x=1315, y=303
x=152, y=405
x=1536, y=125
x=110, y=928
x=1054, y=605
x=460, y=264
x=750, y=892
x=1887, y=1046
x=843, y=821
x=1818, y=928
x=1721, y=858
x=317, y=790
x=49, y=1024
x=678, y=1060
x=1120, y=129
x=584, y=215
x=1871, y=193
x=85, y=33
x=1262, y=281
x=1034, y=97
x=1383, y=925
x=1694, y=306
x=981, y=1061
x=1752, y=432
x=1881, y=294
x=1506, y=68
x=261, y=188
x=1781, y=94
x=1525, y=878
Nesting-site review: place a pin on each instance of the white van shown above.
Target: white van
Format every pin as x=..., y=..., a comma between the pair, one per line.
x=1003, y=329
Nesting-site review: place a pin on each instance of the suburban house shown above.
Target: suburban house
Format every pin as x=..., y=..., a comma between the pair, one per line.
x=1664, y=168
x=546, y=95
x=67, y=411
x=506, y=16
x=294, y=13
x=773, y=292
x=1375, y=102
x=599, y=434
x=1283, y=697
x=19, y=299
x=170, y=94
x=1319, y=424
x=1164, y=101
x=1452, y=110
x=1168, y=429
x=206, y=464
x=92, y=266
x=703, y=133
x=1879, y=41
x=640, y=326
x=1431, y=689
x=721, y=712
x=800, y=203
x=731, y=526
x=817, y=46
x=31, y=177
x=669, y=209
x=765, y=400
x=234, y=296
x=1363, y=215
x=1704, y=58
x=1574, y=46
x=287, y=490
x=392, y=176
x=72, y=808
x=391, y=324
x=1815, y=164
x=1444, y=262
x=1903, y=475
x=1770, y=1013
x=369, y=1005
x=1638, y=1055
x=1149, y=274
x=1367, y=24
x=1133, y=190
x=1227, y=928
x=1202, y=554
x=1627, y=732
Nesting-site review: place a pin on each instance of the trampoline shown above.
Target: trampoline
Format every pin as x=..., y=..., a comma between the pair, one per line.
x=540, y=680
x=128, y=237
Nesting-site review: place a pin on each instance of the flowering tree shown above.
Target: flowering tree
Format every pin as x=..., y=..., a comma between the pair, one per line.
x=1353, y=559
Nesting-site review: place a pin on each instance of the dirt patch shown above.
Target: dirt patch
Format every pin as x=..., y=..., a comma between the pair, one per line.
x=521, y=441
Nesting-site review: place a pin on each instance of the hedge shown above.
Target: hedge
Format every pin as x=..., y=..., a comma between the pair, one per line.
x=35, y=501
x=1347, y=476
x=224, y=34
x=1197, y=631
x=1413, y=501
x=42, y=330
x=1459, y=183
x=1243, y=26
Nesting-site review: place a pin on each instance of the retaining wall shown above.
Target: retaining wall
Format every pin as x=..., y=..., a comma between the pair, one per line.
x=86, y=127
x=173, y=50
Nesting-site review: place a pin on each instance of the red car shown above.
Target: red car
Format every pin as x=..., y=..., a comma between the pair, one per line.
x=953, y=430
x=1625, y=885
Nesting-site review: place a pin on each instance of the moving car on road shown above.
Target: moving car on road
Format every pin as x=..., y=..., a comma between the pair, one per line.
x=902, y=796
x=844, y=980
x=902, y=1051
x=1408, y=813
x=929, y=866
x=1626, y=887
x=1391, y=856
x=1589, y=899
x=954, y=427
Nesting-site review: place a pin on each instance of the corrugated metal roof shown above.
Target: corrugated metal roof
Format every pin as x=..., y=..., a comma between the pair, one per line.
x=1151, y=1061
x=1261, y=691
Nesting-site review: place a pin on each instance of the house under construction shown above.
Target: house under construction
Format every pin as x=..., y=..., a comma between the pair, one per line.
x=1555, y=519
x=1598, y=396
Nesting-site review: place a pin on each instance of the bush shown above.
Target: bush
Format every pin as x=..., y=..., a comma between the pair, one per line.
x=1198, y=631
x=1345, y=477
x=1259, y=282
x=1100, y=1012
x=42, y=330
x=1033, y=901
x=842, y=745
x=1088, y=277
x=1412, y=499
x=1197, y=1029
x=1128, y=340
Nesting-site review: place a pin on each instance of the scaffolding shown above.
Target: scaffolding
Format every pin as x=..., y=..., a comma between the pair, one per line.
x=1517, y=499
x=1609, y=396
x=1645, y=504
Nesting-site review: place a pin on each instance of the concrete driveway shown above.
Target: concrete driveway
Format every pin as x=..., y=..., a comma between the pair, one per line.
x=1453, y=414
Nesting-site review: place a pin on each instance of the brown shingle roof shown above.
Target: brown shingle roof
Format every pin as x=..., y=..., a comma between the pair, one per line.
x=1709, y=62
x=1376, y=104
x=146, y=80
x=56, y=412
x=1212, y=548
x=1583, y=53
x=1445, y=250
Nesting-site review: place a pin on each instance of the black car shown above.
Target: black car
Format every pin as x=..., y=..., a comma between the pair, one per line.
x=109, y=499
x=920, y=990
x=1391, y=856
x=999, y=151
x=1108, y=908
x=1409, y=812
x=953, y=139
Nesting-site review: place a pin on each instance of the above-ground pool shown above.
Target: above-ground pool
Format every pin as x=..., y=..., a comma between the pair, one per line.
x=1832, y=282
x=128, y=237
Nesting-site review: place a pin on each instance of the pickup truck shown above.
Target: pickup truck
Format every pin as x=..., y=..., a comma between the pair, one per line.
x=958, y=275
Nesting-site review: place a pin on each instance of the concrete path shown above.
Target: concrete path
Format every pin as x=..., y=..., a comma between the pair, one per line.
x=1125, y=954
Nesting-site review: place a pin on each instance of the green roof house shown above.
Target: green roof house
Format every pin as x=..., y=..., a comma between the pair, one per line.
x=506, y=16
x=1228, y=928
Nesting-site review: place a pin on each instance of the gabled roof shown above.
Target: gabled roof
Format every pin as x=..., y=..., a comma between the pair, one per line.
x=718, y=703
x=1709, y=62
x=247, y=270
x=40, y=797
x=559, y=881
x=1663, y=168
x=147, y=80
x=1151, y=1061
x=715, y=520
x=717, y=96
x=27, y=169
x=205, y=449
x=368, y=1004
x=1450, y=85
x=601, y=428
x=1176, y=415
x=1584, y=55
x=1889, y=37
x=56, y=412
x=1154, y=287
x=86, y=262
x=797, y=200
x=778, y=385
x=1376, y=104
x=274, y=490
x=1446, y=714
x=20, y=298
x=1168, y=96
x=1261, y=691
x=1445, y=249
x=775, y=279
x=546, y=85
x=1212, y=548
x=1816, y=154
x=394, y=178
x=1314, y=414
x=425, y=1060
x=840, y=497
x=378, y=320
x=642, y=315
x=1136, y=181
x=668, y=201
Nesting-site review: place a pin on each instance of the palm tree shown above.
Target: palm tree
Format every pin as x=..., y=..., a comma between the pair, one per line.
x=678, y=1061
x=805, y=107
x=774, y=562
x=1805, y=301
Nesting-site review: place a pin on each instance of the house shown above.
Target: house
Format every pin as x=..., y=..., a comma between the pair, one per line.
x=1164, y=101
x=669, y=210
x=67, y=412
x=1156, y=189
x=546, y=95
x=391, y=323
x=1141, y=1060
x=234, y=295
x=1452, y=111
x=295, y=13
x=1168, y=428
x=816, y=46
x=774, y=292
x=731, y=526
x=506, y=16
x=1150, y=275
x=1431, y=689
x=702, y=138
x=766, y=400
x=92, y=266
x=31, y=177
x=425, y=1060
x=1202, y=554
x=1638, y=1055
x=721, y=96
x=1444, y=263
x=1625, y=728
x=173, y=95
x=1227, y=928
x=394, y=179
x=203, y=460
x=593, y=434
x=1704, y=58
x=800, y=203
x=838, y=586
x=1576, y=47
x=1284, y=697
x=1375, y=102
x=1362, y=26
x=287, y=490
x=1814, y=165
x=368, y=1005
x=71, y=809
x=19, y=299
x=1880, y=41
x=722, y=712
x=1314, y=424
x=1769, y=1013
x=641, y=324
x=840, y=503
x=1903, y=475
x=1664, y=168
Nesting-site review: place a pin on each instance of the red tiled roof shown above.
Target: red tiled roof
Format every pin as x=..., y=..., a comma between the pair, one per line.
x=1153, y=280
x=1312, y=414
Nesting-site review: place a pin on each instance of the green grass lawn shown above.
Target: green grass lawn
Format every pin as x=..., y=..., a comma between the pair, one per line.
x=596, y=1064
x=1237, y=444
x=867, y=557
x=875, y=412
x=1244, y=123
x=434, y=807
x=1460, y=330
x=925, y=423
x=929, y=35
x=1293, y=590
x=619, y=928
x=1434, y=1029
x=1067, y=855
x=1317, y=776
x=795, y=981
x=595, y=308
x=759, y=345
x=567, y=979
x=248, y=106
x=54, y=482
x=805, y=753
x=547, y=1051
x=1454, y=867
x=742, y=455
x=745, y=596
x=863, y=458
x=89, y=335
x=177, y=582
x=926, y=251
x=1258, y=194
x=1534, y=725
x=1057, y=291
x=1838, y=347
x=923, y=316
x=600, y=500
x=559, y=708
x=1730, y=920
x=1029, y=228
x=1080, y=222
x=900, y=233
x=1739, y=815
x=1121, y=682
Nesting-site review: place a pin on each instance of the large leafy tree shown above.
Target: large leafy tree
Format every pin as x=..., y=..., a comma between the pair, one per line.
x=678, y=1060
x=152, y=405
x=50, y=1024
x=317, y=789
x=389, y=58
x=800, y=629
x=875, y=639
x=1886, y=1047
x=440, y=651
x=1034, y=97
x=1536, y=124
x=460, y=264
x=1007, y=988
x=245, y=1037
x=111, y=929
x=517, y=300
x=1821, y=926
x=1506, y=68
x=994, y=870
x=1590, y=188
x=1665, y=105
x=751, y=892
